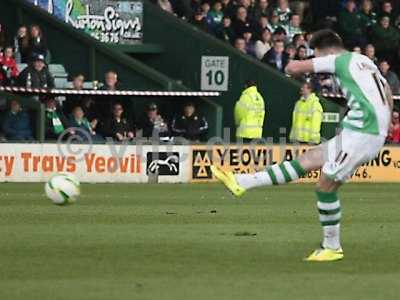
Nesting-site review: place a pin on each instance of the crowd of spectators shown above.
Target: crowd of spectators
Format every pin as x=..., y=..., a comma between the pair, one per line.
x=90, y=118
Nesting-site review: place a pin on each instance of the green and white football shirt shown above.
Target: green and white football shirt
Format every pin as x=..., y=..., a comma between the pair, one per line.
x=363, y=87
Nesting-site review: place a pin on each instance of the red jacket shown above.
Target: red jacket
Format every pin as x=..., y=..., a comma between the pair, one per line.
x=394, y=134
x=8, y=63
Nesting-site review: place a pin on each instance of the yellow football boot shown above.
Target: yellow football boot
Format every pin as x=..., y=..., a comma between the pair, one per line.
x=229, y=180
x=325, y=255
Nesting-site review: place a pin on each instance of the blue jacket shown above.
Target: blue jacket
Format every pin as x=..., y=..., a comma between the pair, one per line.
x=17, y=126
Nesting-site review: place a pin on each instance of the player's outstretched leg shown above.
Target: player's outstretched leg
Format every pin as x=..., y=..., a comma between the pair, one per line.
x=329, y=210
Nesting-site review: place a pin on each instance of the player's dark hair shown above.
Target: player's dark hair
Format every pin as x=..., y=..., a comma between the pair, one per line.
x=326, y=38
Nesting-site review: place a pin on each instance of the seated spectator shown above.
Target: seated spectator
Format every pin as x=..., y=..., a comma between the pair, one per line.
x=17, y=124
x=262, y=24
x=262, y=9
x=111, y=82
x=86, y=130
x=283, y=12
x=291, y=51
x=215, y=16
x=190, y=124
x=394, y=131
x=73, y=100
x=279, y=35
x=301, y=53
x=225, y=31
x=294, y=27
x=55, y=121
x=90, y=110
x=117, y=127
x=37, y=43
x=21, y=45
x=385, y=38
x=277, y=57
x=390, y=76
x=274, y=23
x=387, y=11
x=263, y=45
x=199, y=20
x=350, y=25
x=367, y=16
x=247, y=36
x=369, y=51
x=241, y=24
x=240, y=44
x=8, y=67
x=153, y=125
x=36, y=75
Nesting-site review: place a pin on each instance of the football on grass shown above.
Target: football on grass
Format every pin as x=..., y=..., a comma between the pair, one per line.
x=62, y=189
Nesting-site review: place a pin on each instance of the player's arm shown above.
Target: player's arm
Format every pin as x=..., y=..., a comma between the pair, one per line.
x=298, y=67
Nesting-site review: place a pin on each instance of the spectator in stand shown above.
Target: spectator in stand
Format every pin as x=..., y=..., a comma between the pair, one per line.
x=81, y=126
x=366, y=16
x=385, y=38
x=215, y=16
x=262, y=9
x=165, y=5
x=263, y=45
x=21, y=45
x=301, y=53
x=390, y=76
x=394, y=131
x=276, y=57
x=74, y=100
x=153, y=124
x=262, y=24
x=387, y=11
x=117, y=127
x=17, y=124
x=279, y=35
x=369, y=51
x=199, y=20
x=36, y=75
x=241, y=24
x=240, y=44
x=283, y=12
x=247, y=36
x=350, y=25
x=228, y=8
x=357, y=49
x=307, y=117
x=294, y=27
x=37, y=43
x=274, y=22
x=8, y=67
x=3, y=39
x=90, y=110
x=291, y=51
x=111, y=82
x=190, y=125
x=55, y=121
x=225, y=31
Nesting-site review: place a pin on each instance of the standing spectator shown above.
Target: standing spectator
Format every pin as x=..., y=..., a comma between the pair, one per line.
x=21, y=45
x=394, y=132
x=283, y=12
x=240, y=44
x=8, y=67
x=117, y=127
x=350, y=25
x=241, y=24
x=225, y=31
x=294, y=27
x=36, y=75
x=86, y=130
x=153, y=124
x=369, y=51
x=17, y=125
x=215, y=16
x=385, y=38
x=249, y=113
x=277, y=57
x=367, y=16
x=37, y=43
x=55, y=121
x=307, y=117
x=390, y=76
x=263, y=45
x=111, y=82
x=190, y=124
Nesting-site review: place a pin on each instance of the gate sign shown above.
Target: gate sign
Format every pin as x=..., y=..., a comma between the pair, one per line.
x=214, y=73
x=118, y=22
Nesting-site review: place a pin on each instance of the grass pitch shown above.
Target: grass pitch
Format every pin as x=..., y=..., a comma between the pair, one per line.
x=194, y=242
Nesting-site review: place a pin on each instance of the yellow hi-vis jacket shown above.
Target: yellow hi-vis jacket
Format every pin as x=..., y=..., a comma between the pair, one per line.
x=249, y=114
x=307, y=119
